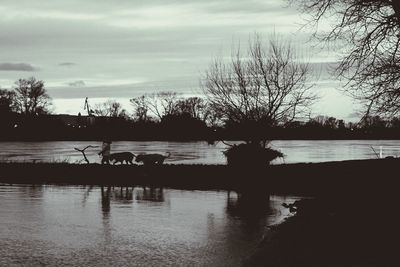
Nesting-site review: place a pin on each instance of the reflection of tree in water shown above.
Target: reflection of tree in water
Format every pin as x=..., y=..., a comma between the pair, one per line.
x=86, y=194
x=153, y=194
x=251, y=208
x=105, y=201
x=105, y=208
x=33, y=191
x=123, y=195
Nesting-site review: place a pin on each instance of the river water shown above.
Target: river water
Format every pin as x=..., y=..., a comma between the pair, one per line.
x=201, y=152
x=48, y=225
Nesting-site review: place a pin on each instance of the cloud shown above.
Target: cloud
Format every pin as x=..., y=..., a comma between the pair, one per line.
x=79, y=83
x=66, y=64
x=16, y=67
x=160, y=44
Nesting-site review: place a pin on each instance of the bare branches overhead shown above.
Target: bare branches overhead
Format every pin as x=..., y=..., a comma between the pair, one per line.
x=267, y=84
x=371, y=65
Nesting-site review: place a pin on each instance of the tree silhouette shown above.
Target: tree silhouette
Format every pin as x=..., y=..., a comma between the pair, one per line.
x=163, y=103
x=140, y=108
x=268, y=85
x=263, y=88
x=109, y=108
x=6, y=100
x=371, y=64
x=31, y=97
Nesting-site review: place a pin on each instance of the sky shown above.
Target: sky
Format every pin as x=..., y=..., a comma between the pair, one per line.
x=121, y=49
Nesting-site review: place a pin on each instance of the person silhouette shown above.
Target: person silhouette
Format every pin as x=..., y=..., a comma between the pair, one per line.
x=105, y=152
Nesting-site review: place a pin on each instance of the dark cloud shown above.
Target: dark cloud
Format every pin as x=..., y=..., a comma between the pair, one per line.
x=79, y=83
x=67, y=64
x=17, y=67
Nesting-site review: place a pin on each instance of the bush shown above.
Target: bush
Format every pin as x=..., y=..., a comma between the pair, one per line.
x=250, y=155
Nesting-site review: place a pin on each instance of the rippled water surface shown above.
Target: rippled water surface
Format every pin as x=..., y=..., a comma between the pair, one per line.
x=201, y=152
x=93, y=226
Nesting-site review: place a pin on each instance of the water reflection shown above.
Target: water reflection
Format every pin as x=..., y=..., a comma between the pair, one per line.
x=86, y=194
x=251, y=209
x=105, y=201
x=108, y=225
x=123, y=195
x=153, y=194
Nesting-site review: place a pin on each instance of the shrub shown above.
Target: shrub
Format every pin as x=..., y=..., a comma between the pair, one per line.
x=250, y=155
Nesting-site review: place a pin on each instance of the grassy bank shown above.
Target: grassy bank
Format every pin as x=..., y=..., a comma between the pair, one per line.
x=329, y=178
x=329, y=233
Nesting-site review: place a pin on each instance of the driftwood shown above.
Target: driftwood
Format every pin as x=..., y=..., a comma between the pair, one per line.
x=83, y=152
x=376, y=154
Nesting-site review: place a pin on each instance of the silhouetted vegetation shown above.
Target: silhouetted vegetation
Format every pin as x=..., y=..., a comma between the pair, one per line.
x=29, y=97
x=250, y=155
x=268, y=86
x=184, y=127
x=370, y=29
x=170, y=116
x=265, y=87
x=109, y=108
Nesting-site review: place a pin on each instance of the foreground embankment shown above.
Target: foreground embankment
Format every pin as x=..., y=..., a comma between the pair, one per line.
x=324, y=232
x=303, y=178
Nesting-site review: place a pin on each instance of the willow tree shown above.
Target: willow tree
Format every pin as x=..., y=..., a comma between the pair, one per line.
x=268, y=85
x=371, y=62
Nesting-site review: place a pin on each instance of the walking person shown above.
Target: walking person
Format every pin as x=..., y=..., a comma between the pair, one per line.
x=105, y=152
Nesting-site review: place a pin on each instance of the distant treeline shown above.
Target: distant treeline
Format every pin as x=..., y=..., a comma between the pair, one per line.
x=25, y=114
x=21, y=127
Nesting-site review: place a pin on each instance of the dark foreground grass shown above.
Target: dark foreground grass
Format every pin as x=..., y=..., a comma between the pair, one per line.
x=342, y=234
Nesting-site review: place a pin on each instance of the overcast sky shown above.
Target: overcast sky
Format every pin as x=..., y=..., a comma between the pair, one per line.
x=123, y=48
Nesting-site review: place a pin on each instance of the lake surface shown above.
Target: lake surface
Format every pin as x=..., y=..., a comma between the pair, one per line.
x=200, y=152
x=92, y=226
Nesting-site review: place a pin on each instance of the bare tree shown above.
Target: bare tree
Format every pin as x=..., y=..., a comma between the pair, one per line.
x=194, y=106
x=31, y=97
x=163, y=103
x=268, y=84
x=371, y=29
x=109, y=108
x=140, y=108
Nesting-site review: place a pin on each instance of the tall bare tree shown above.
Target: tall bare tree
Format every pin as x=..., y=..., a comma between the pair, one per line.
x=267, y=84
x=371, y=29
x=31, y=97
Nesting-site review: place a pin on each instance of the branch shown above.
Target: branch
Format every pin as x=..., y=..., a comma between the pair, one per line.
x=83, y=152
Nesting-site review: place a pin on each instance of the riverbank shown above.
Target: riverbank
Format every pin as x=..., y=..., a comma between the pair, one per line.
x=315, y=179
x=328, y=233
